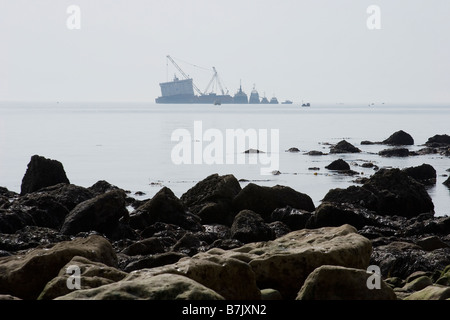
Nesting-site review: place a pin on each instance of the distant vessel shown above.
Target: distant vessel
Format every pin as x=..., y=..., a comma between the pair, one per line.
x=240, y=97
x=306, y=105
x=182, y=91
x=254, y=97
x=274, y=100
x=287, y=102
x=186, y=92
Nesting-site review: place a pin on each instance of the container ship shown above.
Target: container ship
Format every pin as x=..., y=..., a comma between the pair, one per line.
x=185, y=91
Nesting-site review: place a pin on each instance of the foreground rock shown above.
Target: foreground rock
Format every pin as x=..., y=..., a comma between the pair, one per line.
x=159, y=287
x=276, y=263
x=42, y=172
x=92, y=275
x=340, y=283
x=387, y=192
x=26, y=275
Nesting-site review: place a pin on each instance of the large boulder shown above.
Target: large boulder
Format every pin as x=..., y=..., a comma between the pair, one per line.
x=339, y=165
x=42, y=172
x=26, y=275
x=293, y=218
x=394, y=152
x=264, y=200
x=91, y=275
x=439, y=140
x=399, y=138
x=164, y=207
x=100, y=214
x=229, y=276
x=340, y=283
x=433, y=292
x=248, y=226
x=159, y=287
x=211, y=199
x=424, y=173
x=344, y=147
x=285, y=263
x=387, y=192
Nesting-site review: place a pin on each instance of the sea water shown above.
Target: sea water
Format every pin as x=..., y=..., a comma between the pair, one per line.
x=130, y=144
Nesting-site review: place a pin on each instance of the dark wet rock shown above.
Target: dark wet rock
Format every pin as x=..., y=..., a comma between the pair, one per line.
x=147, y=246
x=437, y=141
x=314, y=169
x=293, y=218
x=279, y=229
x=367, y=165
x=447, y=182
x=387, y=192
x=227, y=244
x=253, y=151
x=33, y=209
x=42, y=172
x=344, y=147
x=101, y=187
x=315, y=153
x=394, y=152
x=335, y=215
x=189, y=244
x=367, y=142
x=30, y=237
x=401, y=259
x=429, y=225
x=264, y=200
x=293, y=149
x=399, y=138
x=154, y=260
x=211, y=199
x=161, y=229
x=424, y=173
x=100, y=214
x=339, y=164
x=164, y=207
x=248, y=226
x=431, y=243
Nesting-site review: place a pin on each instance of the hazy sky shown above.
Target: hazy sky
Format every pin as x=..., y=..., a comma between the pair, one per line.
x=313, y=50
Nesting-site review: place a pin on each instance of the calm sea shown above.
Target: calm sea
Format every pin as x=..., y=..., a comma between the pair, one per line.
x=129, y=144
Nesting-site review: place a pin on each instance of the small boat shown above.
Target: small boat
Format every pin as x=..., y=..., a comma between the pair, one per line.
x=306, y=105
x=287, y=102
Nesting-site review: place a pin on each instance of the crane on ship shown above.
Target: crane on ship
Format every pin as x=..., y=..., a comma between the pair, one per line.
x=184, y=74
x=217, y=81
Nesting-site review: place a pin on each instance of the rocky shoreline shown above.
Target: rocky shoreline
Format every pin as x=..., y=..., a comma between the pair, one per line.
x=221, y=241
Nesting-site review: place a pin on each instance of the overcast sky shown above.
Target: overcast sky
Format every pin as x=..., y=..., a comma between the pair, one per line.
x=313, y=50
